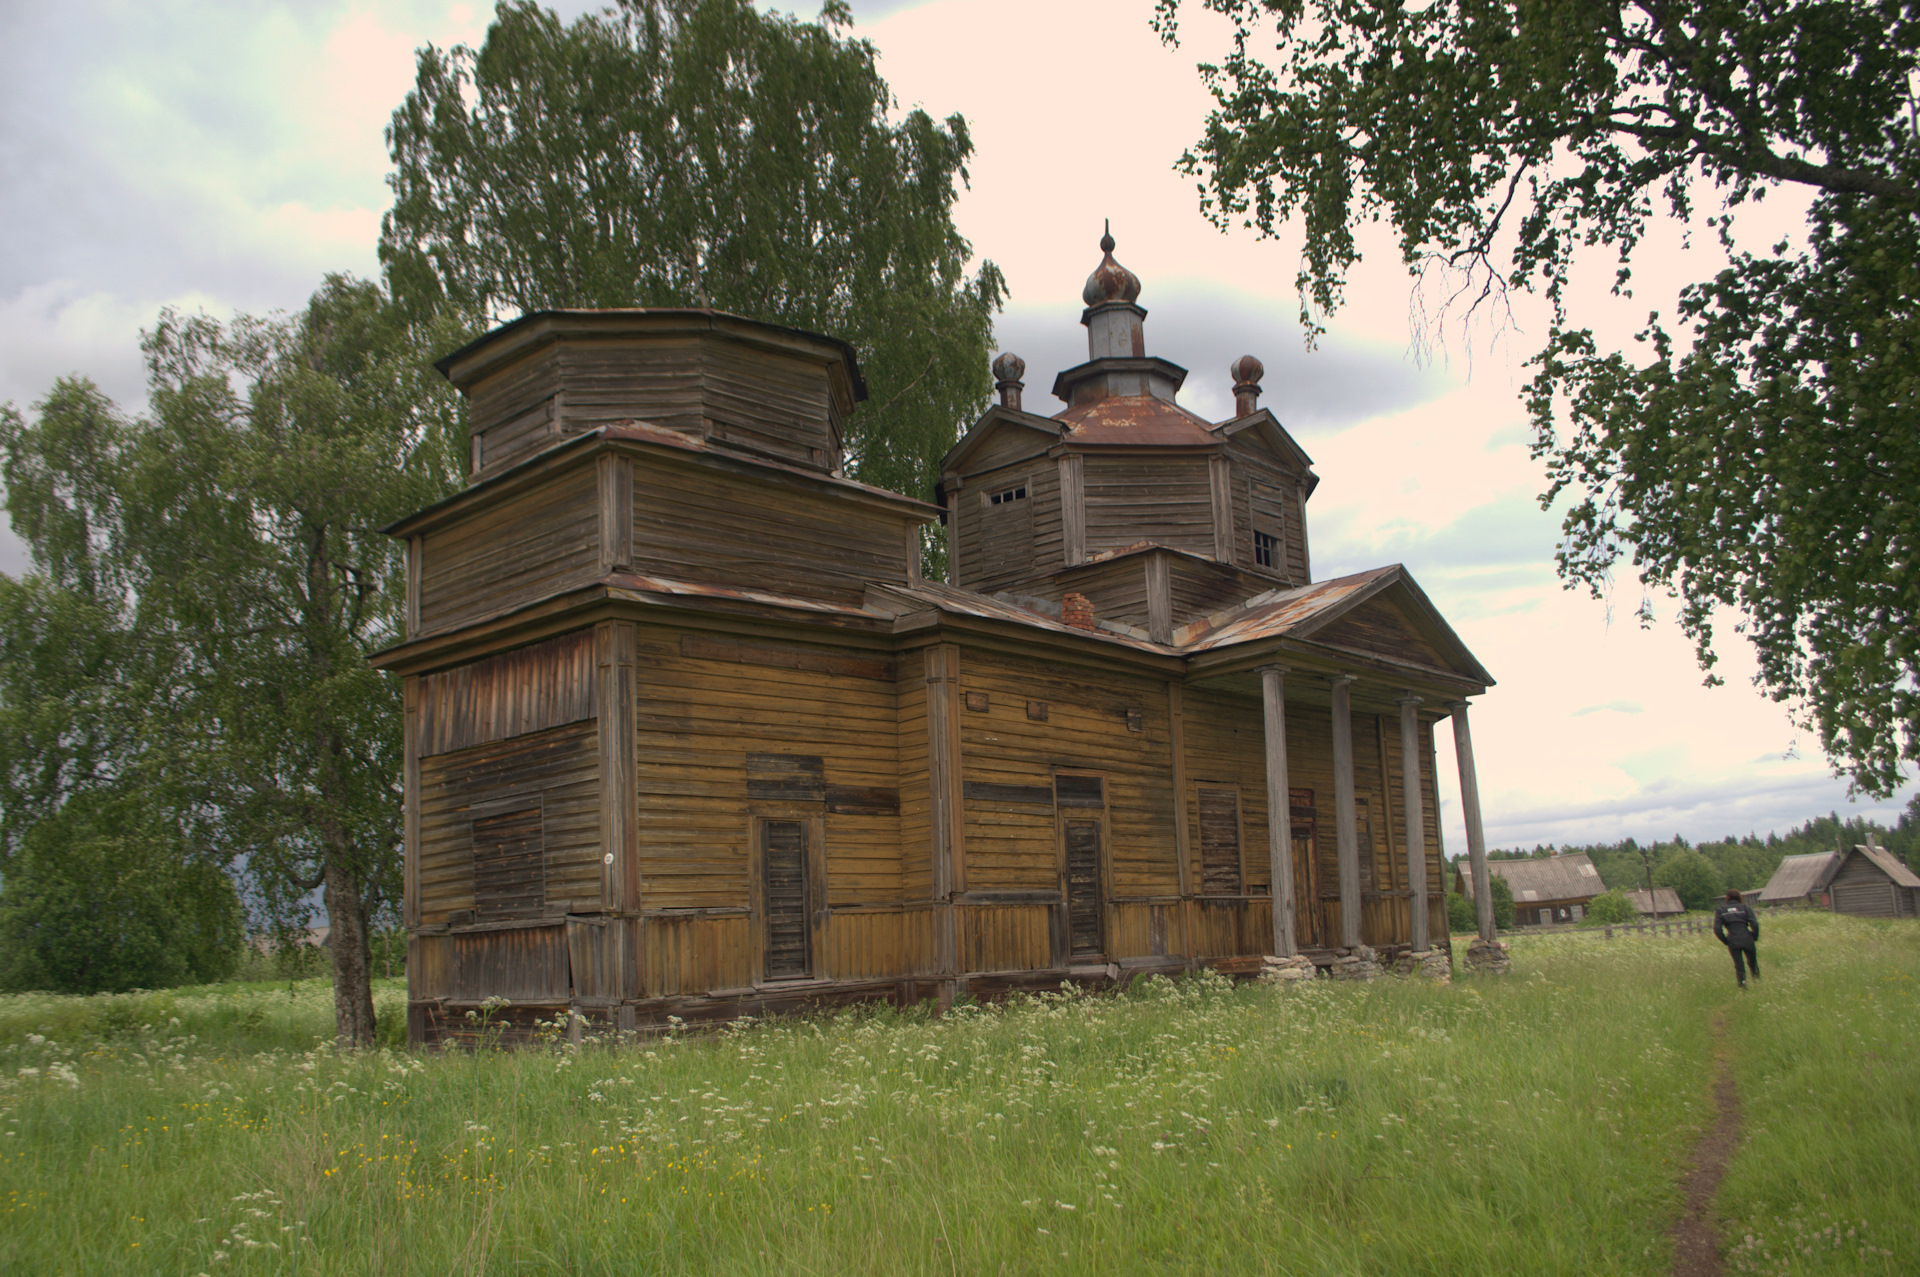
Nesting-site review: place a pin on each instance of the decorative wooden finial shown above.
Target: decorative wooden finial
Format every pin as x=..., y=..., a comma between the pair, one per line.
x=1007, y=371
x=1246, y=373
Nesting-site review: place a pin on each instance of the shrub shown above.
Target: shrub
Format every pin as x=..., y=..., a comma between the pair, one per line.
x=1611, y=907
x=1460, y=913
x=1502, y=903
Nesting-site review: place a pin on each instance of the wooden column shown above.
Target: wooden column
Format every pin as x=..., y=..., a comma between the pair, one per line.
x=943, y=789
x=410, y=693
x=1073, y=511
x=1280, y=810
x=1413, y=812
x=1347, y=837
x=614, y=706
x=1220, y=484
x=615, y=479
x=1159, y=599
x=1470, y=808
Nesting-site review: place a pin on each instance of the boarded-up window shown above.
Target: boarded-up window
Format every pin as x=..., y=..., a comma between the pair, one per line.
x=1330, y=851
x=784, y=885
x=1079, y=791
x=509, y=867
x=1083, y=887
x=1219, y=841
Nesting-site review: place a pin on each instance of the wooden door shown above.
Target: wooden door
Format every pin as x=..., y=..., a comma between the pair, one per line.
x=1219, y=841
x=1306, y=885
x=783, y=869
x=1084, y=900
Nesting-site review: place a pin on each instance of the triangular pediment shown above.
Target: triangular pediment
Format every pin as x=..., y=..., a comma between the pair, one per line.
x=1002, y=433
x=1395, y=619
x=1262, y=432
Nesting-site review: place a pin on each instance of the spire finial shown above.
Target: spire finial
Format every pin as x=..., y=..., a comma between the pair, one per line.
x=1110, y=280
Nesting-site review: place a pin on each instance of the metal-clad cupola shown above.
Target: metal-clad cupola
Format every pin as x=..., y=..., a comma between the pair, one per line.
x=1117, y=363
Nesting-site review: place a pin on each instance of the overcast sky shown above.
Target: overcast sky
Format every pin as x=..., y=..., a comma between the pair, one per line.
x=225, y=155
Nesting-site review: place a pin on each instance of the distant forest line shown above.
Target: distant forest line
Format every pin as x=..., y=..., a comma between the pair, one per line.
x=1738, y=863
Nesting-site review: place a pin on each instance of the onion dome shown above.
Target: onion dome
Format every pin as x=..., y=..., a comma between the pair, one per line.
x=1110, y=281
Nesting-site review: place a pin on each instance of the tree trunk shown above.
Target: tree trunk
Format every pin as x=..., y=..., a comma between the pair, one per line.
x=352, y=961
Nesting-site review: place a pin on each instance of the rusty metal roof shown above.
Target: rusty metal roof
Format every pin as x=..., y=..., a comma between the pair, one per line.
x=1565, y=877
x=1276, y=612
x=1800, y=876
x=1135, y=421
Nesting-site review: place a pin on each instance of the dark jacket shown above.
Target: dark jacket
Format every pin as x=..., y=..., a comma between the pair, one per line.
x=1734, y=924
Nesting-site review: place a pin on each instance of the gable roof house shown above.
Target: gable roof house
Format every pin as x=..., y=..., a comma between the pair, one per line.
x=687, y=733
x=1661, y=902
x=1799, y=881
x=1871, y=882
x=1545, y=890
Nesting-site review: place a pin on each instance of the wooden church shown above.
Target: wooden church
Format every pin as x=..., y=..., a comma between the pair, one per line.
x=688, y=734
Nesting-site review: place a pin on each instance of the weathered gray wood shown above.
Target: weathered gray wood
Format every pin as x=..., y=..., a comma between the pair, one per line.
x=614, y=660
x=1129, y=499
x=1073, y=510
x=616, y=512
x=1220, y=870
x=1470, y=809
x=410, y=693
x=1414, y=817
x=1220, y=478
x=948, y=827
x=1159, y=600
x=1177, y=756
x=1345, y=832
x=1279, y=808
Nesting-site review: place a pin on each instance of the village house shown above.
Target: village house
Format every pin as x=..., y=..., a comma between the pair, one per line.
x=1869, y=881
x=1800, y=882
x=687, y=733
x=1546, y=890
x=1661, y=902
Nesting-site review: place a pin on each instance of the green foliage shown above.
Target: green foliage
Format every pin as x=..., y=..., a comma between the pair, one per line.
x=1502, y=902
x=1460, y=913
x=1611, y=907
x=700, y=153
x=1692, y=877
x=894, y=1142
x=94, y=902
x=227, y=544
x=1758, y=453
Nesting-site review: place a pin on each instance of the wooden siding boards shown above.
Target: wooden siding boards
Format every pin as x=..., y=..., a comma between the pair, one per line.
x=1872, y=883
x=1379, y=627
x=707, y=727
x=1255, y=465
x=761, y=535
x=558, y=769
x=538, y=542
x=514, y=693
x=1004, y=545
x=1131, y=498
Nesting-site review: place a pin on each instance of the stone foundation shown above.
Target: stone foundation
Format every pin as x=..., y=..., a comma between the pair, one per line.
x=1286, y=970
x=1429, y=964
x=1357, y=963
x=1489, y=957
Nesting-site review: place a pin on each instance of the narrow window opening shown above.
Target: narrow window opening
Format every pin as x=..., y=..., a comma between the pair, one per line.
x=1007, y=495
x=1265, y=549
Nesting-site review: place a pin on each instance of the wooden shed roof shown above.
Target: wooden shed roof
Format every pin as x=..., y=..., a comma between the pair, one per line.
x=1567, y=877
x=1800, y=876
x=1658, y=903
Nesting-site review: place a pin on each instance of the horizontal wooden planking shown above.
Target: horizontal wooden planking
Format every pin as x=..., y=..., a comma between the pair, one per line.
x=1005, y=937
x=526, y=690
x=747, y=533
x=1252, y=465
x=1006, y=545
x=722, y=740
x=519, y=388
x=558, y=768
x=916, y=832
x=696, y=954
x=882, y=943
x=518, y=437
x=1379, y=626
x=1167, y=500
x=1087, y=730
x=544, y=540
x=1117, y=589
x=1197, y=590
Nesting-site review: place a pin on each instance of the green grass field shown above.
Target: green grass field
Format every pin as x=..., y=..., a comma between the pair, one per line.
x=1531, y=1124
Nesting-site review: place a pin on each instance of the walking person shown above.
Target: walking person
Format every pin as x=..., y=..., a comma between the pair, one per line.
x=1735, y=926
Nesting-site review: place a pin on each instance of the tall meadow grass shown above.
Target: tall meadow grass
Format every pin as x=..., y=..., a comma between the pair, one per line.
x=1532, y=1124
